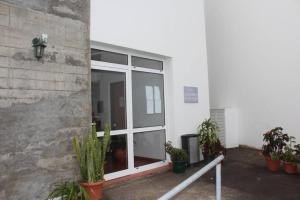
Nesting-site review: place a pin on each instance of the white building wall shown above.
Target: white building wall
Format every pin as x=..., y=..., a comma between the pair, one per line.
x=172, y=28
x=254, y=59
x=232, y=128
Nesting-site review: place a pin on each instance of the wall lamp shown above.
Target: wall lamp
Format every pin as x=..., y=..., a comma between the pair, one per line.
x=39, y=44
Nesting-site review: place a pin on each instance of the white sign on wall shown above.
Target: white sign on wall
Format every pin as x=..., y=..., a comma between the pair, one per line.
x=190, y=94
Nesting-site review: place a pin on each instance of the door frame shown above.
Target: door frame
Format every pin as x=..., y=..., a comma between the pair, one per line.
x=129, y=131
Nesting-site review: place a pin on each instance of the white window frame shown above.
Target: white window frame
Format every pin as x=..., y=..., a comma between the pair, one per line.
x=129, y=131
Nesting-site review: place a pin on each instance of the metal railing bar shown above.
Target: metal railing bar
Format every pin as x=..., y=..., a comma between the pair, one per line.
x=218, y=181
x=195, y=176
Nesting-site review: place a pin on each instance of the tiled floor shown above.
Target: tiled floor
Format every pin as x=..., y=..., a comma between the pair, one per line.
x=244, y=177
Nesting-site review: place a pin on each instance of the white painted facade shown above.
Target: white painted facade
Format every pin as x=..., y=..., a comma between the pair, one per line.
x=173, y=29
x=254, y=59
x=252, y=48
x=253, y=56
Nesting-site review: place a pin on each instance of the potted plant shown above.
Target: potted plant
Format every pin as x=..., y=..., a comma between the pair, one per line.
x=274, y=142
x=209, y=141
x=90, y=152
x=68, y=190
x=178, y=157
x=289, y=157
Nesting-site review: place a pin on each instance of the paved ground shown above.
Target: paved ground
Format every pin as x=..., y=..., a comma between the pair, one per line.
x=244, y=177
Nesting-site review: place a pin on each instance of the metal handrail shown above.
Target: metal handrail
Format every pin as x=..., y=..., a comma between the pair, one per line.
x=216, y=162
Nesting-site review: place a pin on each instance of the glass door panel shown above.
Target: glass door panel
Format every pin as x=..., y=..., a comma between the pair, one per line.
x=149, y=147
x=109, y=99
x=116, y=156
x=148, y=99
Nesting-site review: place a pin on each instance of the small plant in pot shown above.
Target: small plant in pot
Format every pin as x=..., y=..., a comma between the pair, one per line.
x=90, y=152
x=209, y=141
x=289, y=157
x=178, y=157
x=274, y=142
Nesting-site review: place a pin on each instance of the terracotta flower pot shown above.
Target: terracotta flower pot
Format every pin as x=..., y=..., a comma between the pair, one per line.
x=273, y=165
x=121, y=155
x=290, y=168
x=93, y=189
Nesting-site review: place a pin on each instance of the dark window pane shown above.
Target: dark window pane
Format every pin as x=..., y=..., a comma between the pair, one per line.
x=149, y=147
x=148, y=99
x=108, y=99
x=116, y=156
x=107, y=56
x=146, y=63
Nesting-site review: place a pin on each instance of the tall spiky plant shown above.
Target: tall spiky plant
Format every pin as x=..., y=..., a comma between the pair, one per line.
x=68, y=190
x=90, y=152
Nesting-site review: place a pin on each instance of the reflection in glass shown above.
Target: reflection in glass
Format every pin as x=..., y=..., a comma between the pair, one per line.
x=146, y=63
x=107, y=56
x=108, y=99
x=116, y=157
x=149, y=147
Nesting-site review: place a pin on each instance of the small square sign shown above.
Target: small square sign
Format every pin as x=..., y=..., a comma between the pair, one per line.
x=190, y=94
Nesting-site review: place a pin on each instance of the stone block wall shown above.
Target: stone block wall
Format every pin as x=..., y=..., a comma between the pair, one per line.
x=44, y=103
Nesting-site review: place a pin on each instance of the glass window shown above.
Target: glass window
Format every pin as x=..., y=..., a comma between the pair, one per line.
x=116, y=156
x=147, y=99
x=108, y=99
x=149, y=147
x=146, y=63
x=107, y=56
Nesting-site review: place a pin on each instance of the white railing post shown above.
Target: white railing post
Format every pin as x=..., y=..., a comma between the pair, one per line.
x=195, y=176
x=218, y=181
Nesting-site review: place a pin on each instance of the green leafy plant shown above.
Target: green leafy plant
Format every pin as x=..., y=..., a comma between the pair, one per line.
x=274, y=142
x=176, y=153
x=208, y=130
x=90, y=152
x=208, y=138
x=275, y=156
x=68, y=191
x=297, y=152
x=289, y=154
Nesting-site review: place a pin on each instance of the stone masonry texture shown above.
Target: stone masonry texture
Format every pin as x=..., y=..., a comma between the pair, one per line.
x=43, y=103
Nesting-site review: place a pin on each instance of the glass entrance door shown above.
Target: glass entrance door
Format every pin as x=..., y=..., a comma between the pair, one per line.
x=130, y=99
x=109, y=107
x=148, y=118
